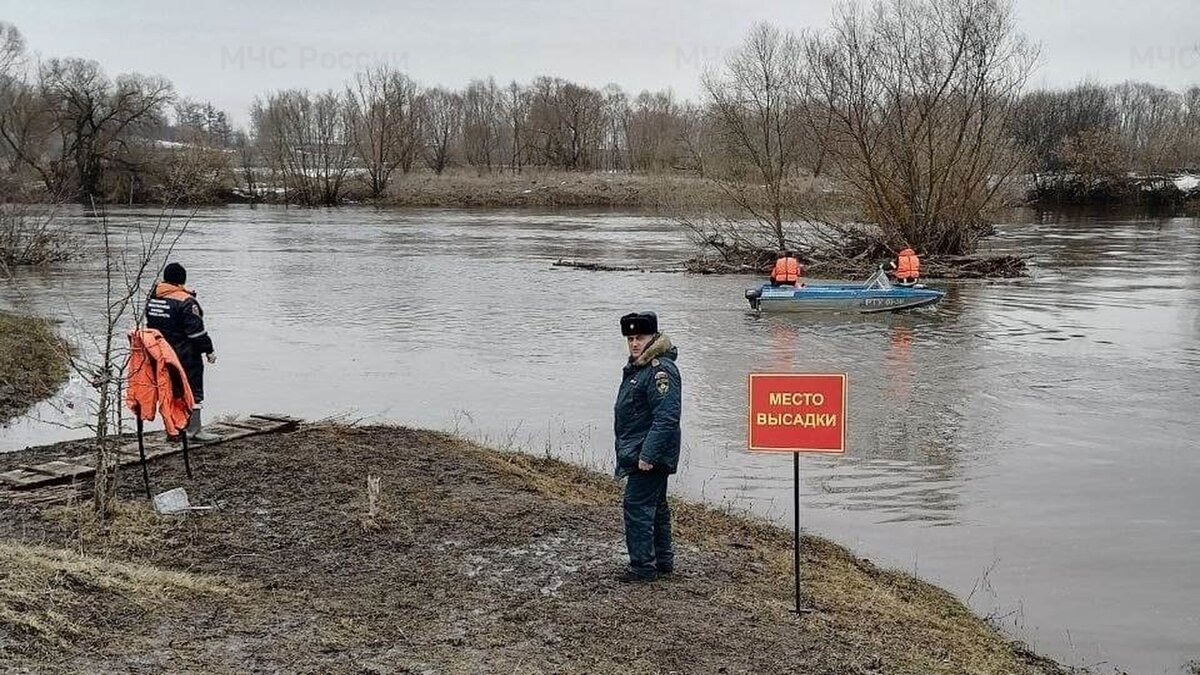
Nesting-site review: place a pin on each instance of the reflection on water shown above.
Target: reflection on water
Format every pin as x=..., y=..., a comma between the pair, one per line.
x=1041, y=427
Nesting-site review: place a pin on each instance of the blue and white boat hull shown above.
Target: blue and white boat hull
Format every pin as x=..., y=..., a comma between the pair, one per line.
x=876, y=295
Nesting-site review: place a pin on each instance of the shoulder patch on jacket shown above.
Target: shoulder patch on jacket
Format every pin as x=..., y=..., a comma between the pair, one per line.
x=662, y=381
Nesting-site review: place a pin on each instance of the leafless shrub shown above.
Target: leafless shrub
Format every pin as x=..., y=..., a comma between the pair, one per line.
x=307, y=140
x=915, y=97
x=31, y=236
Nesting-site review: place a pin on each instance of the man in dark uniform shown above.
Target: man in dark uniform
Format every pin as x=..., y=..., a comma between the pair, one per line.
x=646, y=425
x=173, y=311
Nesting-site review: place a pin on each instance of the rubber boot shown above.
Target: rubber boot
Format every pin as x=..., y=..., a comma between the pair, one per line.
x=196, y=432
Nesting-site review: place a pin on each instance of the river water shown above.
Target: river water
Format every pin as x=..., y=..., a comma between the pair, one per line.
x=1030, y=445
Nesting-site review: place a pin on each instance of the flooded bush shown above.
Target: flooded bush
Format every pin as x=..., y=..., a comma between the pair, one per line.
x=1158, y=191
x=29, y=236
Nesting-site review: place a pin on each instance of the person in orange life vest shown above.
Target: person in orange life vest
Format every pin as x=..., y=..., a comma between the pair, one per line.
x=907, y=266
x=172, y=310
x=787, y=271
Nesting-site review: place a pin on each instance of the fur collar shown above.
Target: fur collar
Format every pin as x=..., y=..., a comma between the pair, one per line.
x=660, y=345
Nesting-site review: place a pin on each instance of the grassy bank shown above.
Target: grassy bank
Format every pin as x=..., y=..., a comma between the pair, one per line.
x=474, y=560
x=33, y=362
x=537, y=189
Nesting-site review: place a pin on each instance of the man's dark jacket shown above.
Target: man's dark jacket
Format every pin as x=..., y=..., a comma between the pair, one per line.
x=173, y=311
x=646, y=415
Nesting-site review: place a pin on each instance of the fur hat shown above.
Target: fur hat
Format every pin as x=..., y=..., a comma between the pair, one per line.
x=639, y=323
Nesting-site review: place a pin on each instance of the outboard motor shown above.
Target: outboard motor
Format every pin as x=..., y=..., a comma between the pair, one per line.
x=754, y=295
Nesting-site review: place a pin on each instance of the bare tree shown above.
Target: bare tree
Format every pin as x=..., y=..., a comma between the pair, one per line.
x=581, y=123
x=919, y=94
x=1044, y=119
x=1096, y=156
x=697, y=139
x=1188, y=141
x=271, y=144
x=565, y=124
x=332, y=145
x=412, y=131
x=1149, y=119
x=615, y=113
x=306, y=140
x=657, y=133
x=12, y=50
x=380, y=104
x=192, y=172
x=442, y=114
x=125, y=277
x=16, y=121
x=30, y=236
x=248, y=158
x=516, y=105
x=755, y=105
x=482, y=125
x=25, y=128
x=92, y=120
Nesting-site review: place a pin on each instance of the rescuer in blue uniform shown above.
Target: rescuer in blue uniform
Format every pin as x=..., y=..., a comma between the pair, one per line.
x=646, y=425
x=172, y=310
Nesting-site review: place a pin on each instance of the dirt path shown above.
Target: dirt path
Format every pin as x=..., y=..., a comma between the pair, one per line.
x=477, y=561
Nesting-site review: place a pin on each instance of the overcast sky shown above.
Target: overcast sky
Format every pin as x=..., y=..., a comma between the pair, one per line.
x=229, y=51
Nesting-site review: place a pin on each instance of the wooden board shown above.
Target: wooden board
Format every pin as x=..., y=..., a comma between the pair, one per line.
x=24, y=478
x=276, y=417
x=156, y=445
x=65, y=469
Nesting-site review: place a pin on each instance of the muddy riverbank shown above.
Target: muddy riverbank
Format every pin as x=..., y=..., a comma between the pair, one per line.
x=474, y=560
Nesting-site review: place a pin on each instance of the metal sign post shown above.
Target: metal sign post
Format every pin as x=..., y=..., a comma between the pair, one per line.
x=796, y=552
x=187, y=463
x=797, y=413
x=142, y=454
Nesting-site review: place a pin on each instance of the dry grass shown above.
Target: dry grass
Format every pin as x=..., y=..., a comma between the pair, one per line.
x=50, y=597
x=132, y=526
x=33, y=362
x=544, y=189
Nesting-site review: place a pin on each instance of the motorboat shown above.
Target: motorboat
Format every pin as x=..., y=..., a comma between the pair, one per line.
x=877, y=294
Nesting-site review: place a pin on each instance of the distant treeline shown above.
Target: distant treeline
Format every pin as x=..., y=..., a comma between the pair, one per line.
x=1091, y=138
x=68, y=130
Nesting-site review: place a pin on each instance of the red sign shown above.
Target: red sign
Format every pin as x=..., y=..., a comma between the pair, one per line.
x=791, y=412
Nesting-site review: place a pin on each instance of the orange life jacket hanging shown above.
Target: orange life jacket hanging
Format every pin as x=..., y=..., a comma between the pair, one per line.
x=155, y=381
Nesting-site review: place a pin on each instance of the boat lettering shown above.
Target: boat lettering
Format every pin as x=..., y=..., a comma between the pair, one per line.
x=882, y=302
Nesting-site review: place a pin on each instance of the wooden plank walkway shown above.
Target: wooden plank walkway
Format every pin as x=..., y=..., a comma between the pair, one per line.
x=68, y=469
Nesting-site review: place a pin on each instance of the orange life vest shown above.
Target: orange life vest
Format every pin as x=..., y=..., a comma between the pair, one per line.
x=787, y=271
x=908, y=265
x=155, y=380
